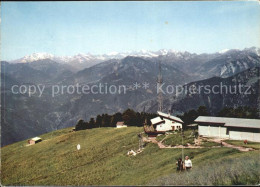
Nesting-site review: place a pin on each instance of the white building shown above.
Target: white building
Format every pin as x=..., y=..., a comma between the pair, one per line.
x=230, y=128
x=166, y=122
x=34, y=140
x=120, y=124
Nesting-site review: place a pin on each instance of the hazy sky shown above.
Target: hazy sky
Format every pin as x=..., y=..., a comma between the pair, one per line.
x=69, y=28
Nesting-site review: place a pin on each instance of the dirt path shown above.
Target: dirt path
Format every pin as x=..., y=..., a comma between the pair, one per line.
x=240, y=148
x=162, y=146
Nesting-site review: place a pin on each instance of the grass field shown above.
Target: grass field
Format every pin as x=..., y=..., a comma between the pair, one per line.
x=176, y=138
x=240, y=170
x=102, y=159
x=209, y=144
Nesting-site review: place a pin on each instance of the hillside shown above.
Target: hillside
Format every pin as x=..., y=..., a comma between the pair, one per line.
x=102, y=159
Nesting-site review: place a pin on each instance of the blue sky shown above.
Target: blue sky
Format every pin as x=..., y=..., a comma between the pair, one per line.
x=69, y=28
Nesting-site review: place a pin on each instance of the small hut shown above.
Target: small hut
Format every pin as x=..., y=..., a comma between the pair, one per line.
x=120, y=124
x=34, y=140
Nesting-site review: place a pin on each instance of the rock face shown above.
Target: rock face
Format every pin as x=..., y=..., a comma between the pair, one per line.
x=24, y=115
x=218, y=64
x=215, y=93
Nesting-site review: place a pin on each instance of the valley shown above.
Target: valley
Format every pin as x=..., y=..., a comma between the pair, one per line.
x=21, y=118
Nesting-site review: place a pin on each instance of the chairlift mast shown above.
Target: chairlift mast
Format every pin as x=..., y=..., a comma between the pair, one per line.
x=141, y=146
x=159, y=83
x=258, y=99
x=182, y=151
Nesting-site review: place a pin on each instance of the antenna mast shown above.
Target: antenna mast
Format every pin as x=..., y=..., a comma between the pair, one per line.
x=159, y=83
x=258, y=99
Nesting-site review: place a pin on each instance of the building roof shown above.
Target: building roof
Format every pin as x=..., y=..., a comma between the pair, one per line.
x=120, y=123
x=230, y=122
x=36, y=138
x=174, y=118
x=192, y=125
x=156, y=120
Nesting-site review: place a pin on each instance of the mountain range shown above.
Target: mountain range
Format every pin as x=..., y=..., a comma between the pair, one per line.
x=86, y=60
x=25, y=116
x=224, y=92
x=82, y=60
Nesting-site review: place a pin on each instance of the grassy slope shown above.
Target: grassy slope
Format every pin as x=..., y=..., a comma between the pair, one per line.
x=176, y=138
x=102, y=159
x=242, y=170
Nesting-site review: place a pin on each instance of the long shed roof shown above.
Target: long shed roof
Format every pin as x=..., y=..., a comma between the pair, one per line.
x=230, y=122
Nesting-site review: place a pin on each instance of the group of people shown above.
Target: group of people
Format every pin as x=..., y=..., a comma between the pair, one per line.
x=184, y=165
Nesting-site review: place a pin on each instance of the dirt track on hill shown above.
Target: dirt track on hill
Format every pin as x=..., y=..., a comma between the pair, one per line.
x=216, y=140
x=240, y=148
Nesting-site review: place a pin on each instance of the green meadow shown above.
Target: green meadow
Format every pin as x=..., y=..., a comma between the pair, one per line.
x=103, y=160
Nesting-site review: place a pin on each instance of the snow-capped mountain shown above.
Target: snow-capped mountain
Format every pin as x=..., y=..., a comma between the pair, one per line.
x=82, y=58
x=79, y=58
x=87, y=60
x=255, y=50
x=179, y=59
x=34, y=57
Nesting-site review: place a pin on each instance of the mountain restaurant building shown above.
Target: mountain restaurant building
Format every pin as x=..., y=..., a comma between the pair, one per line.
x=166, y=122
x=230, y=128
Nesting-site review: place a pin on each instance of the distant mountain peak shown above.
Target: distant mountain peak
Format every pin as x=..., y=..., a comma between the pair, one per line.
x=85, y=58
x=88, y=59
x=223, y=51
x=255, y=50
x=35, y=57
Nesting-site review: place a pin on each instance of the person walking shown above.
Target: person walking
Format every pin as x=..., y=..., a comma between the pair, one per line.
x=179, y=164
x=221, y=143
x=187, y=164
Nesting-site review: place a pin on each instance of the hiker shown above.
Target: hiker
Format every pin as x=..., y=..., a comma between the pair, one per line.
x=187, y=164
x=179, y=164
